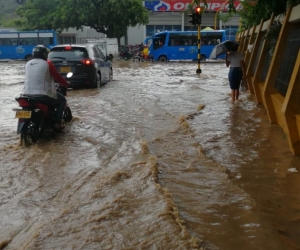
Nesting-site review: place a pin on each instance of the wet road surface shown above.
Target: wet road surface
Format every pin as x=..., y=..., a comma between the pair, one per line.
x=156, y=159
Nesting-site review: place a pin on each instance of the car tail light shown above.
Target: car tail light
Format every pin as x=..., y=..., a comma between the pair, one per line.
x=87, y=62
x=68, y=47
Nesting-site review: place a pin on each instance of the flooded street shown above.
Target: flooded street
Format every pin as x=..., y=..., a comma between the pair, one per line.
x=158, y=158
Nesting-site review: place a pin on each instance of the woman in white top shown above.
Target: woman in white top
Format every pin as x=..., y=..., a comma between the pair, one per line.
x=237, y=71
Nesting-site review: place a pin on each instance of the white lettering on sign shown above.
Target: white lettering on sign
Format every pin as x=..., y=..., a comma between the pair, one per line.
x=179, y=6
x=215, y=6
x=239, y=7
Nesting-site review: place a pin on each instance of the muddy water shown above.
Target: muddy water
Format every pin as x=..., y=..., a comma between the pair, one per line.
x=156, y=159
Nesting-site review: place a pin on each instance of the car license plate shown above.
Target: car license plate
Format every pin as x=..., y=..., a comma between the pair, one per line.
x=23, y=114
x=65, y=69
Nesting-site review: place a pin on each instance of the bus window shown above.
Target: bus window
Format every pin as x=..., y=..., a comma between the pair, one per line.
x=46, y=40
x=8, y=38
x=13, y=41
x=213, y=38
x=30, y=41
x=4, y=41
x=182, y=39
x=29, y=38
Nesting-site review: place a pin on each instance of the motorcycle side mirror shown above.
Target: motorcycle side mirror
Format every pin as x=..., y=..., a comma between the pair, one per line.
x=69, y=74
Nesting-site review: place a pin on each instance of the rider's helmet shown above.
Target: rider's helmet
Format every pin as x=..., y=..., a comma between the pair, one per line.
x=40, y=51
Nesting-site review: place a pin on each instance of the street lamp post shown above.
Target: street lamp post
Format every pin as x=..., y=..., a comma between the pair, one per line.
x=216, y=15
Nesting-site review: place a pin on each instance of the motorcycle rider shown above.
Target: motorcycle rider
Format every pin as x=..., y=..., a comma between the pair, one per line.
x=39, y=83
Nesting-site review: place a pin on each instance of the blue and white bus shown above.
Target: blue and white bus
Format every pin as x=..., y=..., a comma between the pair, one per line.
x=182, y=45
x=18, y=45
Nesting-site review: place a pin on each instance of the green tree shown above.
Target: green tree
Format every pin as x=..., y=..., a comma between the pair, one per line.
x=255, y=10
x=7, y=13
x=111, y=17
x=38, y=15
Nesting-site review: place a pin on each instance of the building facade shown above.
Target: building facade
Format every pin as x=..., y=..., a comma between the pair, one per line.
x=172, y=15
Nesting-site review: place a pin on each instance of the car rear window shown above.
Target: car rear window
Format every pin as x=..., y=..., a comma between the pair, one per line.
x=70, y=53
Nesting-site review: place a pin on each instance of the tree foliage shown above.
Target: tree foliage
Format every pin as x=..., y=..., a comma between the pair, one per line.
x=255, y=10
x=37, y=15
x=111, y=17
x=7, y=13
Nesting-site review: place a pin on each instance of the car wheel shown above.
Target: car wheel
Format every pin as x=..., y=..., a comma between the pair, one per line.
x=97, y=82
x=162, y=59
x=100, y=82
x=110, y=75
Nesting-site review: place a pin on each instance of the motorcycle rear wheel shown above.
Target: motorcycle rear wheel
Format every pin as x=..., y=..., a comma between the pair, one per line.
x=30, y=134
x=67, y=115
x=136, y=59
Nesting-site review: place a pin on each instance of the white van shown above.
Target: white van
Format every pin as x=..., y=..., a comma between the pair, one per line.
x=107, y=45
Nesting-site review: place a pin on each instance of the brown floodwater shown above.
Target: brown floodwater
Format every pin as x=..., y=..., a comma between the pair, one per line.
x=158, y=158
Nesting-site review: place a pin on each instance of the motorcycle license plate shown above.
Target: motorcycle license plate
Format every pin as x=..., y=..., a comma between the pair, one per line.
x=25, y=114
x=65, y=69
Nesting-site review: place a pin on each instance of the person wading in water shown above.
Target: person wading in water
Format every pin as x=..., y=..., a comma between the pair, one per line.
x=237, y=71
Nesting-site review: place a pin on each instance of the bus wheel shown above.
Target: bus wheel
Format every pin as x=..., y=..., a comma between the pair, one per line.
x=162, y=59
x=202, y=58
x=28, y=57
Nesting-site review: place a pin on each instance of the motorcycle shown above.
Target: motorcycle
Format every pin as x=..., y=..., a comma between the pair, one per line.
x=140, y=57
x=36, y=119
x=125, y=55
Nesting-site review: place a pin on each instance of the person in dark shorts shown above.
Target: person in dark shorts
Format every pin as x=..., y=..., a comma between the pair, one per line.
x=237, y=71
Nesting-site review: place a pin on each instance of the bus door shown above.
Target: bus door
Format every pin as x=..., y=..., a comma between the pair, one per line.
x=157, y=48
x=8, y=45
x=157, y=43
